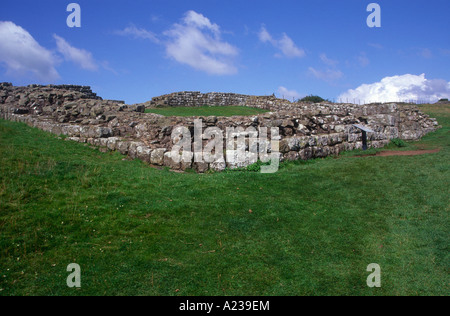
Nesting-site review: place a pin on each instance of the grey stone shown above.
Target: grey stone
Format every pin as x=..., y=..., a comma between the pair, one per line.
x=170, y=162
x=122, y=147
x=143, y=153
x=112, y=142
x=132, y=149
x=157, y=156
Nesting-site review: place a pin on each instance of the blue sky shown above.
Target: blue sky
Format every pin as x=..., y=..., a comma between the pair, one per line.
x=135, y=50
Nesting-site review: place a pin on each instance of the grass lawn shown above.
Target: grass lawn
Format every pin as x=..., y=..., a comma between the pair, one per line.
x=310, y=229
x=227, y=111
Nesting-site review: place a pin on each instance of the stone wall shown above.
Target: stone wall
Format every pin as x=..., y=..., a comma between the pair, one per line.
x=86, y=91
x=198, y=99
x=307, y=130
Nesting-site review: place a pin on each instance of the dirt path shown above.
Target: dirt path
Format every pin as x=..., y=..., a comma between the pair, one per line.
x=408, y=153
x=390, y=153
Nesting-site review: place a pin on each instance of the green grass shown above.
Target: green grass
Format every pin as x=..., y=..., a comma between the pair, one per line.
x=313, y=227
x=226, y=111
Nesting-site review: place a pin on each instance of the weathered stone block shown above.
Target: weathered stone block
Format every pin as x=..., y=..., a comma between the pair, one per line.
x=122, y=147
x=292, y=156
x=102, y=141
x=340, y=128
x=294, y=143
x=132, y=150
x=143, y=153
x=312, y=141
x=321, y=152
x=157, y=156
x=218, y=166
x=112, y=141
x=284, y=146
x=170, y=162
x=201, y=167
x=334, y=139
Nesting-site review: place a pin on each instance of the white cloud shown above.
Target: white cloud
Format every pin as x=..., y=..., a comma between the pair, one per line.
x=105, y=65
x=198, y=20
x=328, y=61
x=285, y=44
x=23, y=55
x=140, y=33
x=81, y=57
x=288, y=94
x=400, y=88
x=197, y=42
x=264, y=36
x=326, y=75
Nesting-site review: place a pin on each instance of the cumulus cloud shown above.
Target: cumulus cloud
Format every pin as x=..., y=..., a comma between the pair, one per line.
x=288, y=94
x=81, y=57
x=140, y=33
x=197, y=42
x=23, y=56
x=285, y=44
x=401, y=88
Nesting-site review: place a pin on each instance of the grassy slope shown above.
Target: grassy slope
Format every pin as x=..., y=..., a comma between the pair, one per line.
x=226, y=111
x=135, y=230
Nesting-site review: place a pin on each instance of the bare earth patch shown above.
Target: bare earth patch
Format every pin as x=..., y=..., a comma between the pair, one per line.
x=390, y=153
x=407, y=153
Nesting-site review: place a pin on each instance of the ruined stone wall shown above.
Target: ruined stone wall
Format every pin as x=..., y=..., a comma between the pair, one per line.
x=198, y=99
x=306, y=130
x=86, y=91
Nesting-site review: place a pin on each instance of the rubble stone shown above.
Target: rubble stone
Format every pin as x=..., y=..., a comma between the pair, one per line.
x=306, y=130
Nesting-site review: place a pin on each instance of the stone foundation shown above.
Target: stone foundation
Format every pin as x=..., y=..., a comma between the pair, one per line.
x=306, y=130
x=198, y=99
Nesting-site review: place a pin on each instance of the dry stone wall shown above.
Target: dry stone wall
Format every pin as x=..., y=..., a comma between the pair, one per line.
x=198, y=99
x=306, y=130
